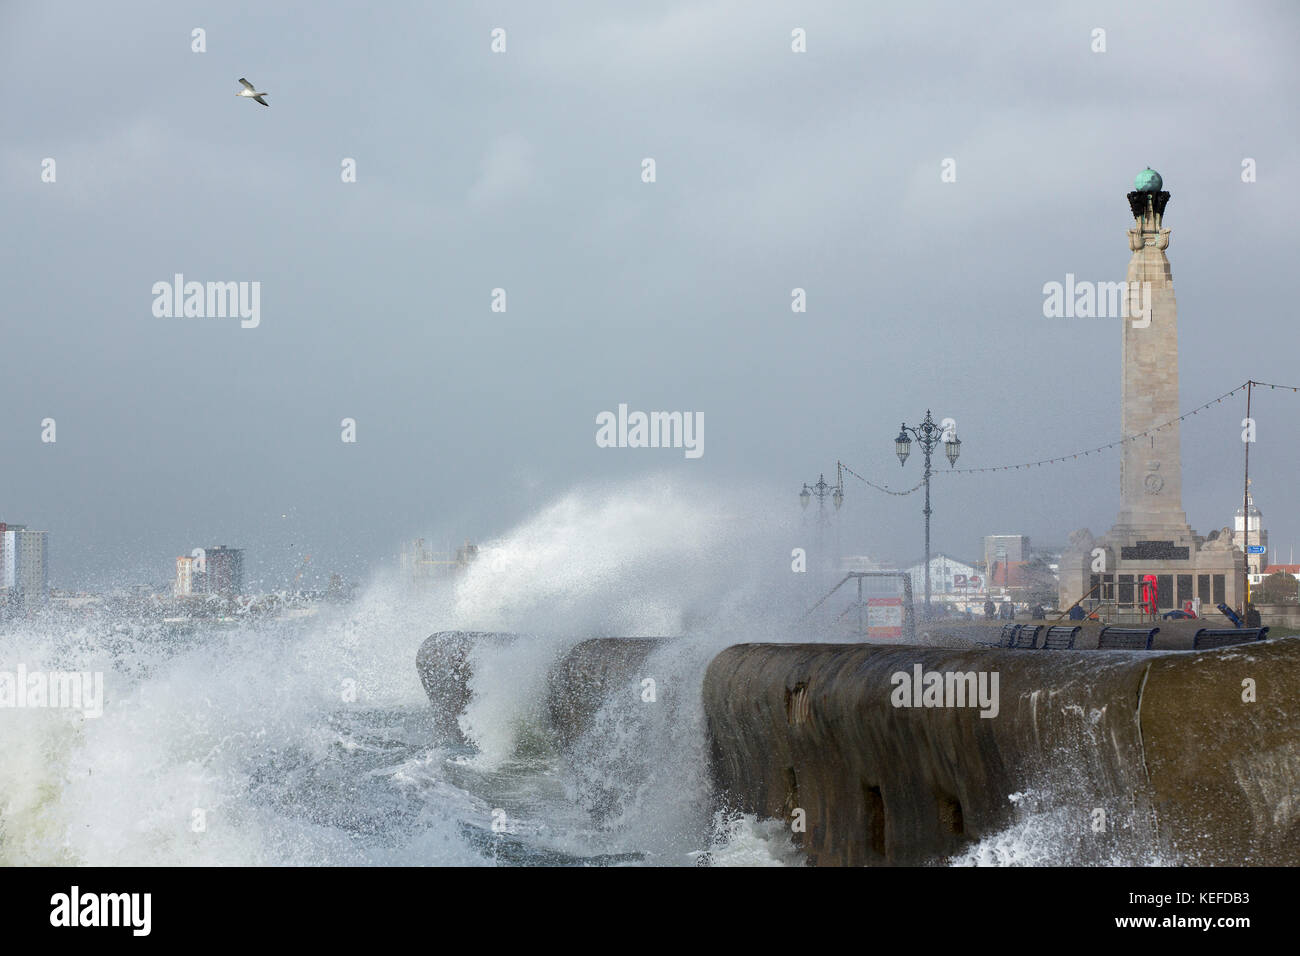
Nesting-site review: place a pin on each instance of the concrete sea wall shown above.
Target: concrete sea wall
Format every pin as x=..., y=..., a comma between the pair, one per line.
x=1174, y=635
x=1162, y=743
x=1280, y=615
x=445, y=667
x=1190, y=757
x=578, y=682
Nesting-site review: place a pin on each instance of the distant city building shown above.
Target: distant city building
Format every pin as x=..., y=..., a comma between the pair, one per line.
x=419, y=564
x=183, y=586
x=1006, y=557
x=1248, y=532
x=1291, y=569
x=24, y=568
x=6, y=570
x=1009, y=574
x=1009, y=548
x=950, y=579
x=217, y=570
x=224, y=570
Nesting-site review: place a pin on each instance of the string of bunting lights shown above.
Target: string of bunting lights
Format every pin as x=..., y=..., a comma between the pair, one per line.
x=1293, y=388
x=1099, y=448
x=887, y=491
x=1080, y=454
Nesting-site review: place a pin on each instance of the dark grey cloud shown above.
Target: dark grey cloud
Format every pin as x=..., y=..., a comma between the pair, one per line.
x=521, y=171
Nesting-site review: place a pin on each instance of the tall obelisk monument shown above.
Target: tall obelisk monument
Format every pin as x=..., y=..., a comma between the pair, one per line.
x=1151, y=538
x=1151, y=480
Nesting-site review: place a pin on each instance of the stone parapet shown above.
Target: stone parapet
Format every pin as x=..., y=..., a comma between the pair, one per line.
x=1161, y=743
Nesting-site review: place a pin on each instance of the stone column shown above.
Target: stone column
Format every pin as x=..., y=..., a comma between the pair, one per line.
x=1151, y=484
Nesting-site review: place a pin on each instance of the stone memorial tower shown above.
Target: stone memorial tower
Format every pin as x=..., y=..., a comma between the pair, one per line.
x=1151, y=535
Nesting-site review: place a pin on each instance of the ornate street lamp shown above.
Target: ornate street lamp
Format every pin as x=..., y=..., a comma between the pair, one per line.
x=903, y=446
x=929, y=435
x=952, y=449
x=822, y=490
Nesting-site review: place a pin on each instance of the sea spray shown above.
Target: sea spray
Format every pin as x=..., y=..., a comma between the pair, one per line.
x=310, y=741
x=652, y=558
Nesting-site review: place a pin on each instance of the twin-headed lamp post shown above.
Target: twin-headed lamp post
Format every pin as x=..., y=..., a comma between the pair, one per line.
x=929, y=435
x=822, y=490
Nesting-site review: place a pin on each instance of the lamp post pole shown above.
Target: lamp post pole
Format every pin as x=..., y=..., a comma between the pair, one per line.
x=1245, y=517
x=929, y=435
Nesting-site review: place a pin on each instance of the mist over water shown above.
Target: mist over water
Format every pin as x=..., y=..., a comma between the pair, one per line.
x=250, y=730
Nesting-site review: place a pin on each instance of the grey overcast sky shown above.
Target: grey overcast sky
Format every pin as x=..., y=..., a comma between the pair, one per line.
x=522, y=170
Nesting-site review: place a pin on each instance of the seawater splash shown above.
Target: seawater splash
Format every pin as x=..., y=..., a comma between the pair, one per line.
x=243, y=746
x=225, y=747
x=1058, y=836
x=653, y=559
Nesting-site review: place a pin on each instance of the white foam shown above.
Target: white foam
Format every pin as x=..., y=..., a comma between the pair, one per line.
x=250, y=725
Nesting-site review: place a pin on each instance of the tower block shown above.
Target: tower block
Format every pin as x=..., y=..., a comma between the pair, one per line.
x=1151, y=535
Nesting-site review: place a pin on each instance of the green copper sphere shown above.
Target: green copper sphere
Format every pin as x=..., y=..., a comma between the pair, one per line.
x=1148, y=181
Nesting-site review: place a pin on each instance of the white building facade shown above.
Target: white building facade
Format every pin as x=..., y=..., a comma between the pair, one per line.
x=951, y=582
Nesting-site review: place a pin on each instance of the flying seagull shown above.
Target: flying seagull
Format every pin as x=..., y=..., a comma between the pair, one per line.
x=251, y=93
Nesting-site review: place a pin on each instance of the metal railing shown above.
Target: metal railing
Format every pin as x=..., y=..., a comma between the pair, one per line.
x=861, y=607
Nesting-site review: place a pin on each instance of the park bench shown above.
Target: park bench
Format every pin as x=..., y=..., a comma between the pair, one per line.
x=1061, y=637
x=1026, y=636
x=1006, y=639
x=1206, y=638
x=1126, y=638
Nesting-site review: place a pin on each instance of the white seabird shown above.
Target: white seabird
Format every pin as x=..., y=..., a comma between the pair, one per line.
x=251, y=93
